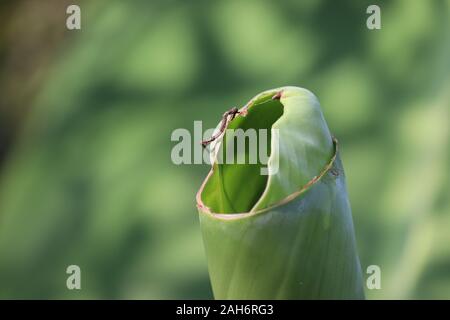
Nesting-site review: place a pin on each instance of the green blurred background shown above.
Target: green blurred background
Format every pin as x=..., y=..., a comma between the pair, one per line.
x=86, y=117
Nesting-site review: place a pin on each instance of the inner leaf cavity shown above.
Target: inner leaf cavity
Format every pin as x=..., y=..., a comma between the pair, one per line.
x=235, y=187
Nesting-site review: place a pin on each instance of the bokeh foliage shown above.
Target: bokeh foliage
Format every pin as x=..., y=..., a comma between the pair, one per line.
x=89, y=180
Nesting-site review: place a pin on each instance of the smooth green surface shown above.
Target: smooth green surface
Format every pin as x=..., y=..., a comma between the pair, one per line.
x=304, y=249
x=305, y=145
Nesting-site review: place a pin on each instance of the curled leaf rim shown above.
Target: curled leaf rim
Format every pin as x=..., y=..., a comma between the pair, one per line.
x=240, y=215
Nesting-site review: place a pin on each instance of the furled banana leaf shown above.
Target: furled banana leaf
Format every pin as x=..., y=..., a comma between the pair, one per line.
x=287, y=233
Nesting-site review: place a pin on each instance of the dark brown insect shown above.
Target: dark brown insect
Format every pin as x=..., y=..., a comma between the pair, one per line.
x=226, y=118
